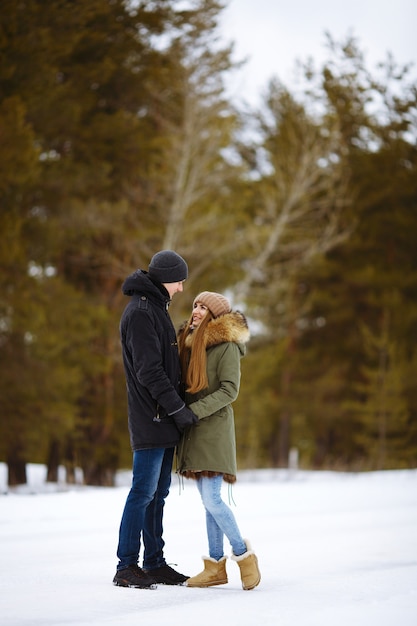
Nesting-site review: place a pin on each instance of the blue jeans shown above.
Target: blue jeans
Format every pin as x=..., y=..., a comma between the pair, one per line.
x=143, y=511
x=220, y=520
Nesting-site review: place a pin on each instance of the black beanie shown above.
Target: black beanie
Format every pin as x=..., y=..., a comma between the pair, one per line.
x=168, y=267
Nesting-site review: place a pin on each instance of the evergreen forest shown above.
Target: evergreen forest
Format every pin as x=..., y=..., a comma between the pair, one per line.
x=118, y=138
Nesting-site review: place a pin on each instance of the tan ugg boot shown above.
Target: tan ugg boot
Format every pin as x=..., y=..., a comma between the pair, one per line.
x=214, y=573
x=248, y=565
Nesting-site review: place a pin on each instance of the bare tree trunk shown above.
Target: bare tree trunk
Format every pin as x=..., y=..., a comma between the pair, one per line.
x=54, y=458
x=284, y=437
x=382, y=400
x=70, y=463
x=16, y=467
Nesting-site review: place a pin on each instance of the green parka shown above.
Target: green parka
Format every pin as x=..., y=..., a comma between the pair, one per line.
x=210, y=445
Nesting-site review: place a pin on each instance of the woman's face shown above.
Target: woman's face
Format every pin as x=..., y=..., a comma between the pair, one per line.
x=199, y=311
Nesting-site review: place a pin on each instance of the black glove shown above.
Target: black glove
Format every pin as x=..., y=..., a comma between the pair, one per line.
x=183, y=418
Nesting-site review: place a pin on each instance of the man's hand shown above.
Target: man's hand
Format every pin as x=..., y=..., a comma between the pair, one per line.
x=183, y=418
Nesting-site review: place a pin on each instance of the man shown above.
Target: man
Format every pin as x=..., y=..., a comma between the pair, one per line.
x=156, y=417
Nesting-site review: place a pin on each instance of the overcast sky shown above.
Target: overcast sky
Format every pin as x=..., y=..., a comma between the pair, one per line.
x=273, y=34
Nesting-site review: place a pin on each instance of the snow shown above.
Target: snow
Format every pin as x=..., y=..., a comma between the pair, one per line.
x=333, y=549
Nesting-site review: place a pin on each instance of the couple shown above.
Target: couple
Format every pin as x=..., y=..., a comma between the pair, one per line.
x=206, y=358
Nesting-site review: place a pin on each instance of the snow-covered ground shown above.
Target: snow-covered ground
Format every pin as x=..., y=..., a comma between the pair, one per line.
x=334, y=549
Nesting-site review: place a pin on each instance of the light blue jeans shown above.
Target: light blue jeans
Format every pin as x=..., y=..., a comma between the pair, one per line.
x=220, y=520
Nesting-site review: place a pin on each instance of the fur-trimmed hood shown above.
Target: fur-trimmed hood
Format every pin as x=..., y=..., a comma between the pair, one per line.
x=231, y=327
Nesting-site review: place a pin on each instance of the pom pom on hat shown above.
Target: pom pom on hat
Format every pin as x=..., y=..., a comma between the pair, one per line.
x=215, y=302
x=167, y=266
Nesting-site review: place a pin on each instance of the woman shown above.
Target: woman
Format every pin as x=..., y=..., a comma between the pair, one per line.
x=211, y=344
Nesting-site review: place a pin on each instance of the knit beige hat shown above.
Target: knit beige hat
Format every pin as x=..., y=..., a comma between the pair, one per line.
x=215, y=302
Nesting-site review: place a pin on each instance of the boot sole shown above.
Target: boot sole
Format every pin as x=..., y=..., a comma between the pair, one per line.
x=170, y=584
x=204, y=585
x=127, y=586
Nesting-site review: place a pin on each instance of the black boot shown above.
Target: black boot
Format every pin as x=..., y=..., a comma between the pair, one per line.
x=133, y=576
x=166, y=575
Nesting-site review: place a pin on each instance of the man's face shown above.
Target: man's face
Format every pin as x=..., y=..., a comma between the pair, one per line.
x=173, y=288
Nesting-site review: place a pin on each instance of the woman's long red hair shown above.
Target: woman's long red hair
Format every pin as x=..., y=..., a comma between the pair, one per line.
x=194, y=360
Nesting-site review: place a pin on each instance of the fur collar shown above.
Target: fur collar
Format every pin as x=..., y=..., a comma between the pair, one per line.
x=231, y=327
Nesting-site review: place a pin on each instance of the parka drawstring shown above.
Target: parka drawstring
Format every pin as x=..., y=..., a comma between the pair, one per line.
x=180, y=483
x=230, y=494
x=181, y=488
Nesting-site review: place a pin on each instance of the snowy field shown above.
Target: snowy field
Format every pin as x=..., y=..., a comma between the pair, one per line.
x=334, y=550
